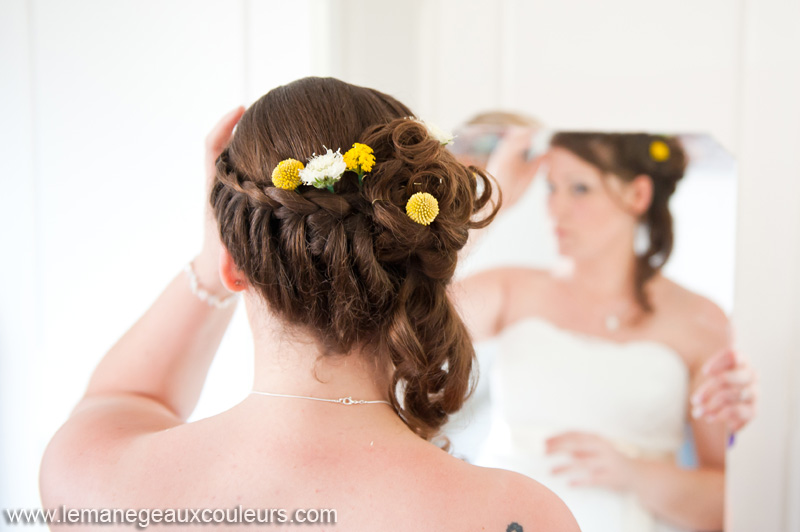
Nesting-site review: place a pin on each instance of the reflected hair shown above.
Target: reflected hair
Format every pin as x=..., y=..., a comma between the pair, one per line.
x=351, y=268
x=627, y=155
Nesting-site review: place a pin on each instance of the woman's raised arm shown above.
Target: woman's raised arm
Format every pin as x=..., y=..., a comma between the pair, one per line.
x=481, y=298
x=166, y=354
x=150, y=380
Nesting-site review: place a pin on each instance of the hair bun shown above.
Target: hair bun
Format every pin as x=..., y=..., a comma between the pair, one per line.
x=410, y=161
x=351, y=268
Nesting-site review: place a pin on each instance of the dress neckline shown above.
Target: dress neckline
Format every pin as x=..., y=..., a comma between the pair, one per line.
x=594, y=339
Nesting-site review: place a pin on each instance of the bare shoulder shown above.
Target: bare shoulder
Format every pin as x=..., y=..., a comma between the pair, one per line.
x=482, y=299
x=506, y=501
x=523, y=504
x=522, y=280
x=511, y=273
x=704, y=326
x=100, y=447
x=527, y=275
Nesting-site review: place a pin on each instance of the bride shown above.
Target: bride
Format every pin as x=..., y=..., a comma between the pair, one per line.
x=590, y=390
x=359, y=355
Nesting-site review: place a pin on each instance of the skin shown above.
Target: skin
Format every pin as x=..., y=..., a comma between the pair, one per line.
x=595, y=218
x=127, y=443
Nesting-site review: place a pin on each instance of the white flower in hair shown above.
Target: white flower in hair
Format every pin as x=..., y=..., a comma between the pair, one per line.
x=438, y=133
x=322, y=171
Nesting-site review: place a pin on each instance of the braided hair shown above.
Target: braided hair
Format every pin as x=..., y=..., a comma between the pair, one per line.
x=350, y=267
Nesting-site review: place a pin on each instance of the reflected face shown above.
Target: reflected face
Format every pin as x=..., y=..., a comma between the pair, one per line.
x=586, y=209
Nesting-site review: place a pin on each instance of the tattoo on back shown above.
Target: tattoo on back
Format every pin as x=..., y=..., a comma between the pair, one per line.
x=514, y=527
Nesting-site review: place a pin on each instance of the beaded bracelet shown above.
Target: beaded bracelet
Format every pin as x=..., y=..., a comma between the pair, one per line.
x=205, y=295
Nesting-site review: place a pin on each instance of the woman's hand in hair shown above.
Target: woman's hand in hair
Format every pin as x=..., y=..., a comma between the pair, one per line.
x=509, y=164
x=216, y=141
x=729, y=390
x=206, y=264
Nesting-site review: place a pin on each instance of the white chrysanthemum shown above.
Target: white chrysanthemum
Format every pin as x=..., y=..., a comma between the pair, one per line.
x=324, y=170
x=438, y=133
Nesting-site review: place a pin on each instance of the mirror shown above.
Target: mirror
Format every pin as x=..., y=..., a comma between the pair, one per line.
x=553, y=370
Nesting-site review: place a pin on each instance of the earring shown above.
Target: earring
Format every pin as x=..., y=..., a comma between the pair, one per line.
x=641, y=239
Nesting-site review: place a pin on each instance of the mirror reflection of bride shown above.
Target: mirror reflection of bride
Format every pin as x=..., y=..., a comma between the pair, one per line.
x=590, y=388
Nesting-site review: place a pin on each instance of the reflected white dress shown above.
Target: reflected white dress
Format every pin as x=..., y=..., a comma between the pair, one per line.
x=546, y=380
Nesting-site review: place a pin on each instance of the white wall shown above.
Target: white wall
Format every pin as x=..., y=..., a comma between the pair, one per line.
x=105, y=106
x=765, y=469
x=20, y=291
x=105, y=109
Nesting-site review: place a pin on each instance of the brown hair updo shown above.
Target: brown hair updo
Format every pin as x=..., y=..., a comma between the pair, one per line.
x=627, y=155
x=350, y=267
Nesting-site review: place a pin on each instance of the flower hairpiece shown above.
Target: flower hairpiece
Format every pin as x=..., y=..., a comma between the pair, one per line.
x=422, y=207
x=438, y=133
x=659, y=151
x=359, y=159
x=287, y=174
x=322, y=171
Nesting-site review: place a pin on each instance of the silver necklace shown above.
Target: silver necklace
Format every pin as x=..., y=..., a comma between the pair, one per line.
x=342, y=400
x=612, y=322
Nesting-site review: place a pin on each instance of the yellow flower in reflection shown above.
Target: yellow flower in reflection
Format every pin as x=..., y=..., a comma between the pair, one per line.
x=659, y=151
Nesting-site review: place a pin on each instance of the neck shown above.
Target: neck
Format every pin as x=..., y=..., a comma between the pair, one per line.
x=607, y=276
x=293, y=364
x=288, y=362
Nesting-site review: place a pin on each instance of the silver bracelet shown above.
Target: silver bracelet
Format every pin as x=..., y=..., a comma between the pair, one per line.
x=205, y=295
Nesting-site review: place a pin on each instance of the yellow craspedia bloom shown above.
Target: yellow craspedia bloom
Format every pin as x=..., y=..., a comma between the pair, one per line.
x=422, y=208
x=359, y=158
x=287, y=174
x=659, y=151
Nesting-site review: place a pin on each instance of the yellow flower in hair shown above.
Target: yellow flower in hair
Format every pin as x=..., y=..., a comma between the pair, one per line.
x=359, y=158
x=287, y=174
x=422, y=208
x=659, y=151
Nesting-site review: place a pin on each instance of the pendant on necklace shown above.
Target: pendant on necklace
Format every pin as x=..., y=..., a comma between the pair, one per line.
x=612, y=322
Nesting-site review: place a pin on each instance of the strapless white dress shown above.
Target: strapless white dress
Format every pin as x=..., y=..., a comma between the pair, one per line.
x=546, y=380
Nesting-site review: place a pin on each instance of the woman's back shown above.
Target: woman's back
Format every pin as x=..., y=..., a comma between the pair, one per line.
x=336, y=464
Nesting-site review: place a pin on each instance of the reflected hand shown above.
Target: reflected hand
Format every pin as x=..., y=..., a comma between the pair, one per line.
x=508, y=164
x=216, y=141
x=596, y=461
x=728, y=392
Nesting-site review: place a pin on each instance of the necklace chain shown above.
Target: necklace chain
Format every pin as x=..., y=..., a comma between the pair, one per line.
x=341, y=400
x=612, y=322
